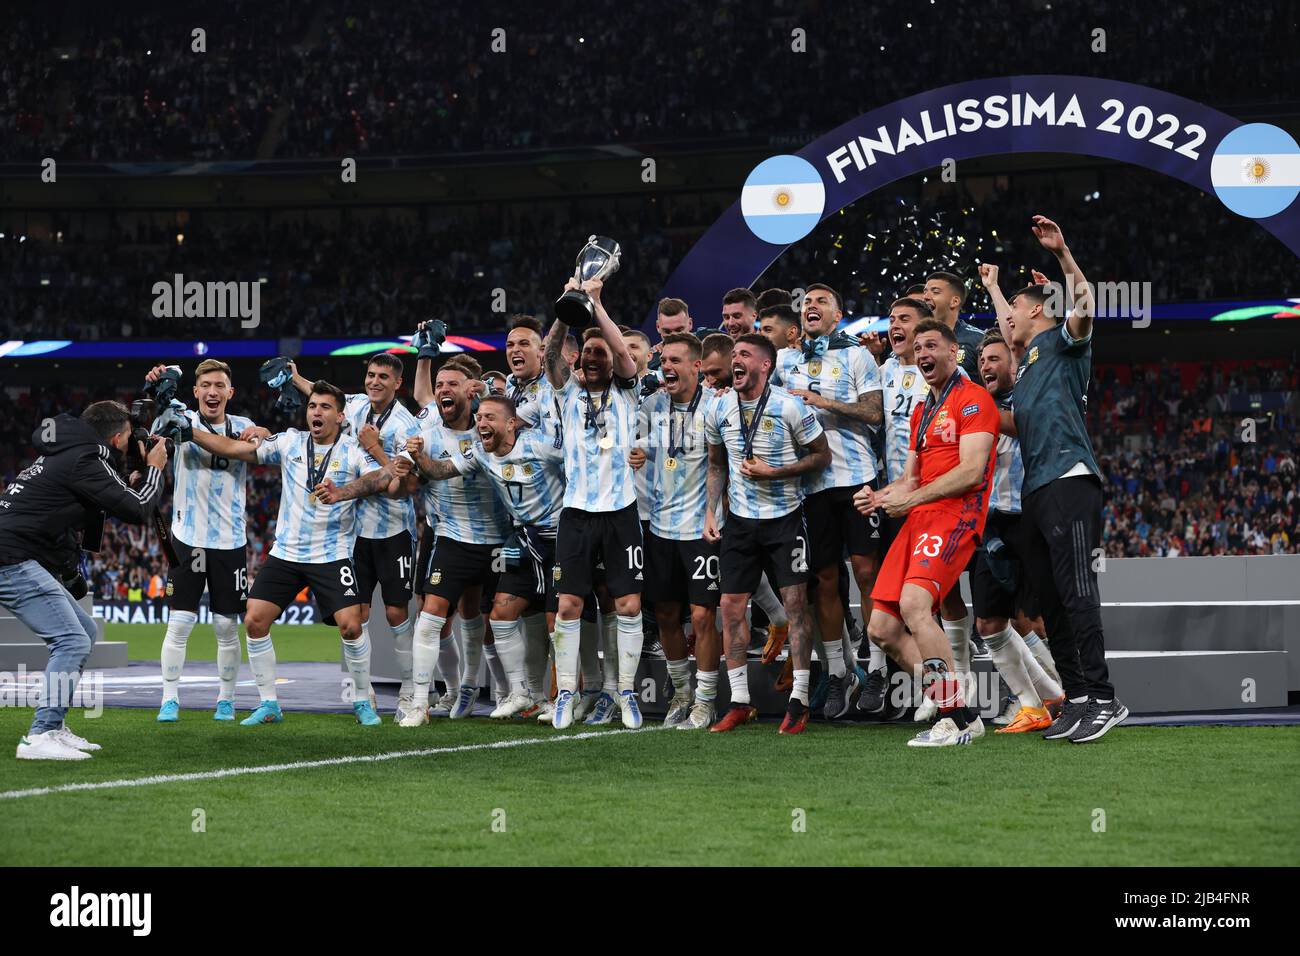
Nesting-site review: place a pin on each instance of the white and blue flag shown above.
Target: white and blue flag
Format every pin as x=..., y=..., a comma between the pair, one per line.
x=783, y=199
x=1256, y=170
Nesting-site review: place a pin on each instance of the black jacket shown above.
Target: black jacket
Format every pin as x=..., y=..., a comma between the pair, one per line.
x=57, y=505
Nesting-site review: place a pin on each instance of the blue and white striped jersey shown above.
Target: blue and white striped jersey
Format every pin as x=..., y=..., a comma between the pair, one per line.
x=677, y=498
x=786, y=426
x=521, y=393
x=542, y=407
x=904, y=388
x=1008, y=473
x=208, y=492
x=843, y=375
x=529, y=479
x=599, y=479
x=464, y=509
x=309, y=532
x=380, y=516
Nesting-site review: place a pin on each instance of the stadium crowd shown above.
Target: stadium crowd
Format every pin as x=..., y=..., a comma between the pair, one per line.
x=293, y=78
x=357, y=277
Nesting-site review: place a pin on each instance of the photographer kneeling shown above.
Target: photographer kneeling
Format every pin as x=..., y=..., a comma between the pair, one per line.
x=48, y=514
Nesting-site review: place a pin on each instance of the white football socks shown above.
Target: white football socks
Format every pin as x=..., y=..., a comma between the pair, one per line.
x=706, y=685
x=630, y=639
x=878, y=658
x=261, y=660
x=509, y=643
x=449, y=660
x=680, y=673
x=227, y=630
x=1007, y=659
x=1043, y=654
x=832, y=654
x=403, y=634
x=799, y=691
x=424, y=655
x=472, y=630
x=1044, y=682
x=739, y=679
x=568, y=635
x=179, y=626
x=356, y=655
x=958, y=634
x=500, y=683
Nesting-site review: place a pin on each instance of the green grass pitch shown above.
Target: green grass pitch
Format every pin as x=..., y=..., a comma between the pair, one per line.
x=838, y=795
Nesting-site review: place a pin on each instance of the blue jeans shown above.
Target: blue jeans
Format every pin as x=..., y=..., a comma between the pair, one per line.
x=36, y=598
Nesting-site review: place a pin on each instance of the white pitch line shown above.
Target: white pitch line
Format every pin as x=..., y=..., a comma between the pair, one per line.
x=302, y=765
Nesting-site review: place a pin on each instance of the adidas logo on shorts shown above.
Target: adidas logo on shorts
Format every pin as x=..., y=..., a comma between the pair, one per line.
x=713, y=586
x=349, y=593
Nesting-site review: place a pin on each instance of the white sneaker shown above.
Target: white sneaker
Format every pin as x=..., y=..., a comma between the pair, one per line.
x=545, y=712
x=415, y=717
x=74, y=741
x=47, y=746
x=586, y=701
x=927, y=711
x=701, y=716
x=405, y=705
x=976, y=728
x=943, y=734
x=512, y=704
x=445, y=703
x=679, y=710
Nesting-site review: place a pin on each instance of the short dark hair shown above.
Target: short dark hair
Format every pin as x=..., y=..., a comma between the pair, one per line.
x=504, y=401
x=770, y=297
x=106, y=418
x=466, y=363
x=387, y=360
x=685, y=338
x=760, y=341
x=907, y=302
x=716, y=342
x=992, y=337
x=822, y=286
x=522, y=321
x=322, y=387
x=782, y=313
x=1035, y=293
x=671, y=306
x=955, y=281
x=628, y=330
x=934, y=325
x=740, y=297
x=918, y=289
x=592, y=332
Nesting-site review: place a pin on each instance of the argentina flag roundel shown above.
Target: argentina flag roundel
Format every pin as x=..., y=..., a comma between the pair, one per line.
x=1256, y=170
x=782, y=199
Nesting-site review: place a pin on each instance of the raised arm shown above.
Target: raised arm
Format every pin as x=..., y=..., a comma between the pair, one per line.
x=557, y=370
x=301, y=384
x=624, y=364
x=1001, y=307
x=1077, y=290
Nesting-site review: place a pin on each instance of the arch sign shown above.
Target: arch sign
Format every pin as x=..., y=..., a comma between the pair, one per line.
x=1253, y=168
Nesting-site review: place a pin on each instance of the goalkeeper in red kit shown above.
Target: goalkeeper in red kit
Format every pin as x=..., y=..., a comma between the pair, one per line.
x=944, y=492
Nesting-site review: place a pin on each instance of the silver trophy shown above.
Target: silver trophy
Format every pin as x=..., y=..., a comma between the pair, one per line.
x=598, y=259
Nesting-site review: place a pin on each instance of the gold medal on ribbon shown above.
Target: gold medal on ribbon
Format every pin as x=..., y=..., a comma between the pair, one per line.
x=670, y=464
x=606, y=442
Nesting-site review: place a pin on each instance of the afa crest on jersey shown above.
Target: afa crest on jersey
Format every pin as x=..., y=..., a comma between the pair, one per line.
x=908, y=379
x=1033, y=356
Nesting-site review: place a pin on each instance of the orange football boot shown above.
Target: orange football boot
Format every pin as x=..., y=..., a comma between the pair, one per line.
x=796, y=718
x=1027, y=719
